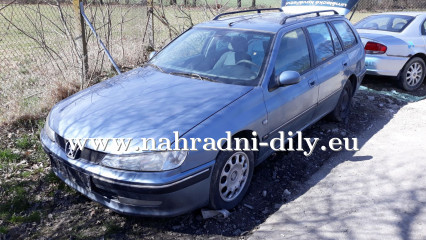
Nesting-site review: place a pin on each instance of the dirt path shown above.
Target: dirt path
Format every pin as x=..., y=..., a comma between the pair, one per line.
x=376, y=193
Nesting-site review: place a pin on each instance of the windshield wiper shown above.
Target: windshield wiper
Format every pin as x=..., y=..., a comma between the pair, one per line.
x=155, y=66
x=193, y=75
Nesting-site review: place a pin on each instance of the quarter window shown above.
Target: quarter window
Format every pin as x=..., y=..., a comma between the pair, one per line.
x=337, y=45
x=322, y=42
x=346, y=34
x=293, y=54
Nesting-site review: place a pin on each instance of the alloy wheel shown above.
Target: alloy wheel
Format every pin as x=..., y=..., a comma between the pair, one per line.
x=234, y=176
x=414, y=74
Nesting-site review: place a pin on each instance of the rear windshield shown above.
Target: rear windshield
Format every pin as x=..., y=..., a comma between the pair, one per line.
x=390, y=23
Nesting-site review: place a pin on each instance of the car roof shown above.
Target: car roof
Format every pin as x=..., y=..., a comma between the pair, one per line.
x=267, y=22
x=412, y=14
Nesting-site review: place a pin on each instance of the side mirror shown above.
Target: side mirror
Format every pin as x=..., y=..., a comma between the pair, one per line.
x=288, y=78
x=152, y=54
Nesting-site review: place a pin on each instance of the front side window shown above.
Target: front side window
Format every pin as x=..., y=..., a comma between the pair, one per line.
x=321, y=39
x=424, y=28
x=346, y=34
x=223, y=55
x=293, y=54
x=390, y=23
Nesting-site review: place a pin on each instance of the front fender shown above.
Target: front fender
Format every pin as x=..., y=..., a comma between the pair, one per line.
x=246, y=113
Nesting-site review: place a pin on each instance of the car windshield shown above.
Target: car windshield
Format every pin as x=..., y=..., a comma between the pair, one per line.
x=221, y=55
x=390, y=23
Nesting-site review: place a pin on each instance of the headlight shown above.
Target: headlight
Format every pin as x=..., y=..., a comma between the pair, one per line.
x=49, y=132
x=148, y=161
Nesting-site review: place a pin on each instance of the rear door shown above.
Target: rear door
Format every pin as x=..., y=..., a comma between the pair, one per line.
x=330, y=60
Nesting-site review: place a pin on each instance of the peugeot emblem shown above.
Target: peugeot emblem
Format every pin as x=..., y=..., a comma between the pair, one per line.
x=72, y=153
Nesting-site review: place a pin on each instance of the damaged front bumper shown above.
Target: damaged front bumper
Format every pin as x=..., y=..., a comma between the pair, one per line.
x=168, y=193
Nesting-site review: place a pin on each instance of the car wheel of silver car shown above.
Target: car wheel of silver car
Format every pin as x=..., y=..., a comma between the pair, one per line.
x=413, y=74
x=343, y=106
x=231, y=178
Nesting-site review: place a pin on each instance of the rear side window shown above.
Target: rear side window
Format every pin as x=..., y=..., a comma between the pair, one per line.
x=337, y=45
x=293, y=54
x=346, y=34
x=321, y=39
x=398, y=24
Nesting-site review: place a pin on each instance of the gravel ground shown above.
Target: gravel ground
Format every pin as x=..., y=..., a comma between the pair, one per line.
x=35, y=204
x=378, y=192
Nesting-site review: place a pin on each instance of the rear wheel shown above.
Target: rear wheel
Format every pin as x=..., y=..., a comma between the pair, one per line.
x=413, y=74
x=344, y=104
x=231, y=178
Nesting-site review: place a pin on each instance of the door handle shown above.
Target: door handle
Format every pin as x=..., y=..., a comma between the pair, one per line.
x=345, y=64
x=312, y=83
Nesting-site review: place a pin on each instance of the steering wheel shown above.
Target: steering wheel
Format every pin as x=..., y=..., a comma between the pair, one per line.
x=248, y=62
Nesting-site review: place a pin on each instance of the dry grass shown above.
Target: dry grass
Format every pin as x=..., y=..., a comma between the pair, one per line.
x=38, y=62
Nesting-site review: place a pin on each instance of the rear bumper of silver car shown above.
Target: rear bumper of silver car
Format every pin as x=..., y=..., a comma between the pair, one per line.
x=384, y=65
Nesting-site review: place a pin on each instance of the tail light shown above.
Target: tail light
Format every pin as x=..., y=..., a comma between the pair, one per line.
x=375, y=48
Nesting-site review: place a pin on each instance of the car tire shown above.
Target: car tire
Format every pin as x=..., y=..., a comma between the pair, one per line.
x=231, y=178
x=343, y=107
x=413, y=74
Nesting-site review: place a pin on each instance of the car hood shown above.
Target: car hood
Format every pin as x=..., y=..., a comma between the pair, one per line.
x=142, y=103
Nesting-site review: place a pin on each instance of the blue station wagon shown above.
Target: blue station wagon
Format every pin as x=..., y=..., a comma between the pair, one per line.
x=264, y=72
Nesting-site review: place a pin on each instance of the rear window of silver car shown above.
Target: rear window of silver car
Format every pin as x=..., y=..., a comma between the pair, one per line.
x=390, y=23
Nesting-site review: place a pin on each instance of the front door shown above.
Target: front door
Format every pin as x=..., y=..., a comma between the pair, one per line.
x=291, y=108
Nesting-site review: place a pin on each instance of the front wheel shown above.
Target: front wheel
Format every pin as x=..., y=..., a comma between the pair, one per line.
x=413, y=74
x=341, y=112
x=231, y=178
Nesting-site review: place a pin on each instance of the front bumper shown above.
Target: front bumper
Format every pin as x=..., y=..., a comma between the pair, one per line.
x=384, y=65
x=167, y=193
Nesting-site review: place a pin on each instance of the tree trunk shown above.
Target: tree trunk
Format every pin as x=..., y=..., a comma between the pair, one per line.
x=253, y=3
x=172, y=2
x=239, y=3
x=194, y=3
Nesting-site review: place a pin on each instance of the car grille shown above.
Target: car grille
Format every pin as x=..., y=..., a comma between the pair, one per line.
x=87, y=154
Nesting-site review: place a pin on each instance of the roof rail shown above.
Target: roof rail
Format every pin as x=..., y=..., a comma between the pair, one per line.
x=307, y=13
x=244, y=11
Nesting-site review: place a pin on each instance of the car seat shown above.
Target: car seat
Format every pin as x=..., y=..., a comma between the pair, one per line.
x=237, y=52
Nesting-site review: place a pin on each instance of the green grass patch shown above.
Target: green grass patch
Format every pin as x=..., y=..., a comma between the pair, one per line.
x=112, y=228
x=32, y=217
x=17, y=200
x=7, y=156
x=24, y=142
x=4, y=229
x=25, y=174
x=52, y=178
